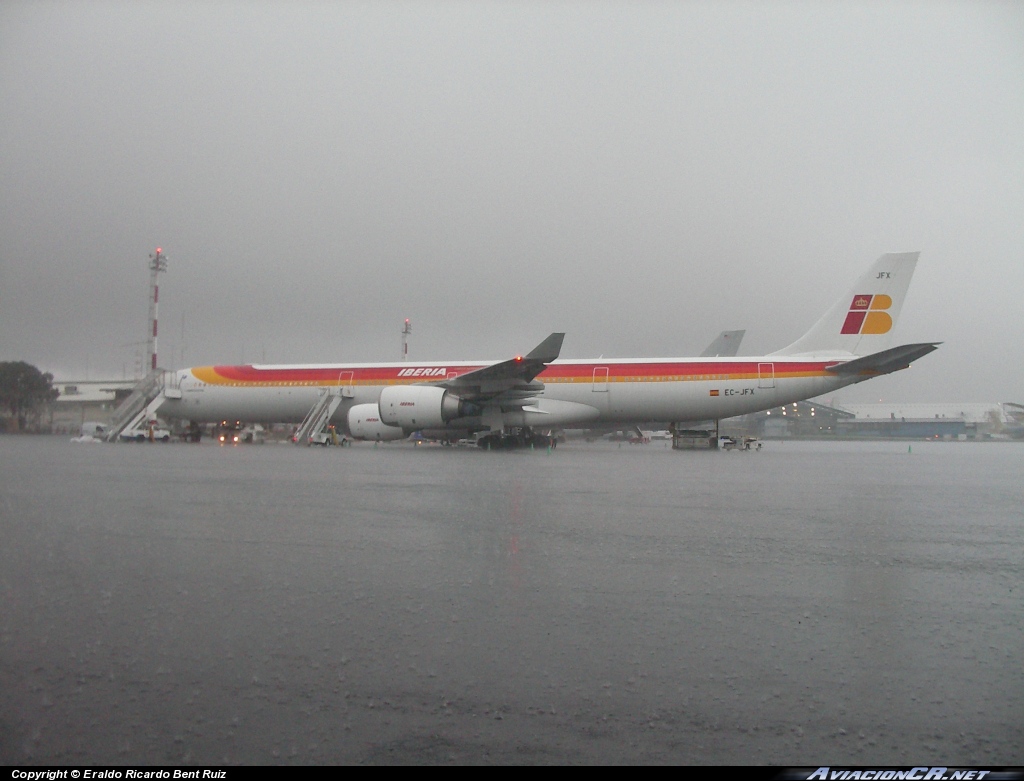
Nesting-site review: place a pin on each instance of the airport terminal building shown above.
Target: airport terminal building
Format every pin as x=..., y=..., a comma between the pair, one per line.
x=83, y=401
x=946, y=420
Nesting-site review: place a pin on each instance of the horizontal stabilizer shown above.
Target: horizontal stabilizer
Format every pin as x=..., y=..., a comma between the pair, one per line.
x=885, y=362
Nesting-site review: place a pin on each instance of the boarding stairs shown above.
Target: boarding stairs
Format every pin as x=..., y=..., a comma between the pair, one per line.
x=319, y=415
x=139, y=407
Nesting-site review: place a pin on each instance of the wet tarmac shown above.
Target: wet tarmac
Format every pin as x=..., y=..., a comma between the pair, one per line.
x=812, y=603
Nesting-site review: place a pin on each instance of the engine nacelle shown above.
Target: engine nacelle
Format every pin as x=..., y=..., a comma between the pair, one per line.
x=415, y=407
x=364, y=423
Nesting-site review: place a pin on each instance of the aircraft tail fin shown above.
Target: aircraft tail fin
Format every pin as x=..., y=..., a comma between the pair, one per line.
x=861, y=322
x=726, y=345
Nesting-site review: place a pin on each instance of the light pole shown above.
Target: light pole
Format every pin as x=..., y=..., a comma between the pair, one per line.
x=157, y=264
x=406, y=330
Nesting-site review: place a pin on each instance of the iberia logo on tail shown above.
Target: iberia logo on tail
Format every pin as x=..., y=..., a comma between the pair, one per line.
x=867, y=315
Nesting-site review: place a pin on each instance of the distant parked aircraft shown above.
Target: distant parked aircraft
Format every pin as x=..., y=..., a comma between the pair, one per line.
x=726, y=345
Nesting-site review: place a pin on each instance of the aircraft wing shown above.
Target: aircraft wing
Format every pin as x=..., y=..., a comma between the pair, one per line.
x=512, y=379
x=886, y=361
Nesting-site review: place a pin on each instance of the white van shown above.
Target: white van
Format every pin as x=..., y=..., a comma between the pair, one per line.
x=92, y=429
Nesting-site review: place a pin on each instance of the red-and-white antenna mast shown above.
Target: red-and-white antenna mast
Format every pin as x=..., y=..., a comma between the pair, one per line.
x=406, y=330
x=157, y=264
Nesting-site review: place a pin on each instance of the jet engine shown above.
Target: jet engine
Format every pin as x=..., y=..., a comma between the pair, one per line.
x=415, y=407
x=364, y=423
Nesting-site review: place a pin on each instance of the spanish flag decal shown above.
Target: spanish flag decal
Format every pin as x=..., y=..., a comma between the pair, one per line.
x=867, y=315
x=713, y=393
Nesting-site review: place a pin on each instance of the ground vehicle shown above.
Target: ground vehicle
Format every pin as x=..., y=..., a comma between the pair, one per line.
x=328, y=437
x=229, y=432
x=253, y=434
x=91, y=429
x=151, y=432
x=740, y=443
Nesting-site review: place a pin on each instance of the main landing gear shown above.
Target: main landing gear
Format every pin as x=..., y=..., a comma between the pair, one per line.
x=512, y=438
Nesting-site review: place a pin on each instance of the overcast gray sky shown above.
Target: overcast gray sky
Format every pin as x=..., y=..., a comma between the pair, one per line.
x=639, y=175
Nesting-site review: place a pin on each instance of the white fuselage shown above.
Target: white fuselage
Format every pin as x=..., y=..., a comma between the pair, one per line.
x=575, y=392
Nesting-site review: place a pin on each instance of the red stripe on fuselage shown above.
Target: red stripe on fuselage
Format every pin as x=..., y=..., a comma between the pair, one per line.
x=576, y=371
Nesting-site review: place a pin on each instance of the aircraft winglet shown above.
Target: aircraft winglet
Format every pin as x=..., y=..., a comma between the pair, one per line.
x=548, y=350
x=505, y=377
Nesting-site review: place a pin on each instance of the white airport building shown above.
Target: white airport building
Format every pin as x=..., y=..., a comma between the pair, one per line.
x=85, y=401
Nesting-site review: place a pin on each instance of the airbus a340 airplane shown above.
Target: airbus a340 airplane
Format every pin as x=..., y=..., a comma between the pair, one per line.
x=537, y=392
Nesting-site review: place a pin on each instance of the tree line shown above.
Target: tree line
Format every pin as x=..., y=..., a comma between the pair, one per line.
x=24, y=392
